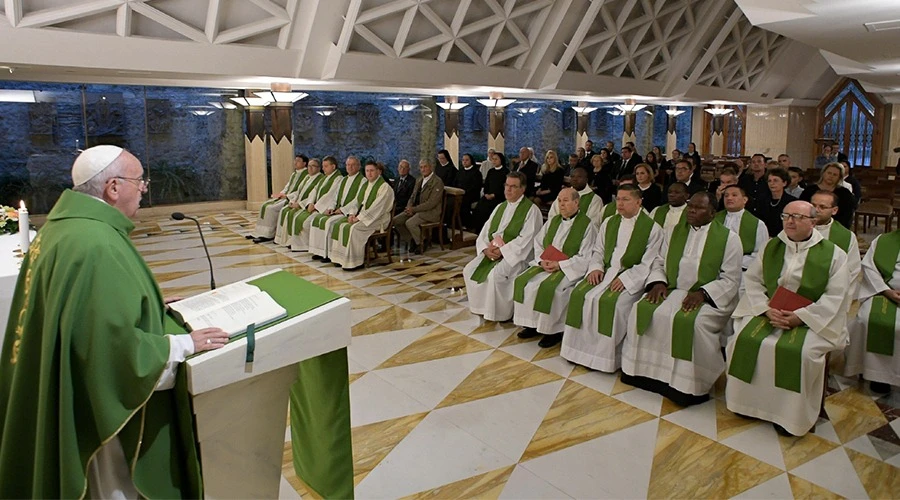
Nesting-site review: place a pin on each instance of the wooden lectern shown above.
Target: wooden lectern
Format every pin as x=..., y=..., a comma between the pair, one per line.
x=240, y=408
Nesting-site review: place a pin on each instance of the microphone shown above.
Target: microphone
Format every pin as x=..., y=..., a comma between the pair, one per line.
x=181, y=216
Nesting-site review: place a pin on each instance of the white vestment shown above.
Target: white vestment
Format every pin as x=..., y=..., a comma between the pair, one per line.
x=854, y=262
x=650, y=355
x=573, y=270
x=299, y=242
x=109, y=474
x=585, y=345
x=874, y=367
x=594, y=211
x=320, y=239
x=733, y=222
x=297, y=197
x=672, y=216
x=826, y=319
x=372, y=219
x=268, y=213
x=493, y=299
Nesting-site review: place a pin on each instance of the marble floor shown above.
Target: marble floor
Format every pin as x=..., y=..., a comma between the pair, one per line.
x=446, y=405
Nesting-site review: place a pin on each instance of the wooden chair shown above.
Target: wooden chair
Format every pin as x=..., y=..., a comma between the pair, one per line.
x=426, y=230
x=873, y=209
x=385, y=238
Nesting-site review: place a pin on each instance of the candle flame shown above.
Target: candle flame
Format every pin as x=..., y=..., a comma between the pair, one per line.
x=22, y=204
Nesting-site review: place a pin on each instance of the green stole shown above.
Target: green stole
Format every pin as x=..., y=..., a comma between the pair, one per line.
x=512, y=231
x=708, y=270
x=788, y=349
x=584, y=202
x=747, y=230
x=301, y=214
x=343, y=228
x=883, y=316
x=608, y=211
x=634, y=252
x=544, y=299
x=293, y=182
x=342, y=199
x=662, y=211
x=840, y=235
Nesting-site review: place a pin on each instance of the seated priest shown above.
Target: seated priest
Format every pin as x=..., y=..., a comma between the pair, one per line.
x=794, y=312
x=610, y=208
x=623, y=253
x=368, y=213
x=874, y=347
x=323, y=223
x=750, y=230
x=826, y=205
x=671, y=213
x=268, y=212
x=589, y=202
x=562, y=250
x=503, y=249
x=297, y=202
x=296, y=234
x=672, y=346
x=424, y=206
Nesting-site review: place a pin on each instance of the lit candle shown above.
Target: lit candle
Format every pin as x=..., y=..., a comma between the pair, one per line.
x=23, y=227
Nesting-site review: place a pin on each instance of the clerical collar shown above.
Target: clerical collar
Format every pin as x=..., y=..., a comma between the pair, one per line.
x=498, y=168
x=739, y=212
x=586, y=190
x=445, y=164
x=470, y=167
x=678, y=207
x=826, y=225
x=568, y=218
x=515, y=202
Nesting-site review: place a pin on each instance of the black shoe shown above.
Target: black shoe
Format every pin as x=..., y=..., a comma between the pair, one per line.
x=879, y=387
x=413, y=247
x=550, y=340
x=326, y=260
x=528, y=333
x=316, y=257
x=262, y=240
x=249, y=236
x=781, y=430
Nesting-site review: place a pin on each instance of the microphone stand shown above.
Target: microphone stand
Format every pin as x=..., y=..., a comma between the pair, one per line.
x=181, y=216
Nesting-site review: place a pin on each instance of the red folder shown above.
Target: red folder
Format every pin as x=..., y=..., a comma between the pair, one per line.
x=553, y=254
x=787, y=300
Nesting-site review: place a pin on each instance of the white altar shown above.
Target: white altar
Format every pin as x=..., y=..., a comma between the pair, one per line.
x=9, y=272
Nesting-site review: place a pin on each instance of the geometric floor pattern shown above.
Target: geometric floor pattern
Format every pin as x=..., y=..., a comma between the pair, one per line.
x=447, y=405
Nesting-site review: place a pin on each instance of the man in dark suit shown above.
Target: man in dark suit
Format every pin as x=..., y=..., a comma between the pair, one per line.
x=424, y=206
x=403, y=187
x=629, y=161
x=530, y=168
x=684, y=171
x=614, y=158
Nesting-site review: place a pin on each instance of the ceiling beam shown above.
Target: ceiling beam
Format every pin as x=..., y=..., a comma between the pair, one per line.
x=555, y=71
x=251, y=29
x=13, y=11
x=56, y=15
x=212, y=20
x=123, y=20
x=169, y=22
x=682, y=86
x=284, y=36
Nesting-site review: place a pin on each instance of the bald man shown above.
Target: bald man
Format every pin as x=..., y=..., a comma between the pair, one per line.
x=776, y=363
x=87, y=335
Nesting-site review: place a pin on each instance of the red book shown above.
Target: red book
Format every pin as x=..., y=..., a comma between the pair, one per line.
x=553, y=254
x=787, y=300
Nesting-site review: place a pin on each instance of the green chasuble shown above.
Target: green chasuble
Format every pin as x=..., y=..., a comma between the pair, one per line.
x=662, y=211
x=365, y=198
x=544, y=299
x=634, y=252
x=293, y=215
x=83, y=352
x=788, y=349
x=608, y=211
x=746, y=230
x=708, y=270
x=840, y=236
x=584, y=202
x=516, y=223
x=883, y=315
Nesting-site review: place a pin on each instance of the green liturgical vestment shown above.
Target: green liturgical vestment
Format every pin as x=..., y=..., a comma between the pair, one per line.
x=83, y=352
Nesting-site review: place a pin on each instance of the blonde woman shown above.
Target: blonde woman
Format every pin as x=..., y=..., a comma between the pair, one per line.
x=551, y=180
x=830, y=180
x=652, y=195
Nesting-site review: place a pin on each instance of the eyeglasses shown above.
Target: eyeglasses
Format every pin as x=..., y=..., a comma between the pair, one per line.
x=795, y=217
x=141, y=182
x=512, y=187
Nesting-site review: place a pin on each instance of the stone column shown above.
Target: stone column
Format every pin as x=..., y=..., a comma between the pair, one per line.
x=255, y=154
x=497, y=120
x=628, y=134
x=281, y=144
x=671, y=136
x=451, y=130
x=581, y=127
x=717, y=138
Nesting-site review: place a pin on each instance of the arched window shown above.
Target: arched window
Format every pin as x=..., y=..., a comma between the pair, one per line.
x=850, y=117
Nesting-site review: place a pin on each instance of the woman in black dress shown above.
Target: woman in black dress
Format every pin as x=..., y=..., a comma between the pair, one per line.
x=772, y=204
x=552, y=179
x=651, y=193
x=493, y=190
x=469, y=179
x=600, y=177
x=830, y=180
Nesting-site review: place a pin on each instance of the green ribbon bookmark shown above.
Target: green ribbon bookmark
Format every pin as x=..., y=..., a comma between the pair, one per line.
x=251, y=342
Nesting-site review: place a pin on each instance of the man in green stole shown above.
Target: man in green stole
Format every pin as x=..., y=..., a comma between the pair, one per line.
x=297, y=202
x=776, y=361
x=503, y=249
x=268, y=212
x=673, y=342
x=323, y=223
x=874, y=347
x=323, y=193
x=541, y=292
x=672, y=213
x=589, y=203
x=368, y=213
x=826, y=205
x=750, y=230
x=87, y=405
x=621, y=258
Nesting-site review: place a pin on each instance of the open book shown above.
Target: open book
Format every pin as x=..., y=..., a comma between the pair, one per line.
x=231, y=308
